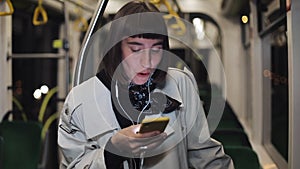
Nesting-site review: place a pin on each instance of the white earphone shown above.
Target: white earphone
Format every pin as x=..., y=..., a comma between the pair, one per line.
x=138, y=119
x=148, y=102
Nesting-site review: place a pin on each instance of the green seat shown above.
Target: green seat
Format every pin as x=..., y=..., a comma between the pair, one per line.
x=21, y=144
x=232, y=138
x=228, y=113
x=230, y=124
x=243, y=157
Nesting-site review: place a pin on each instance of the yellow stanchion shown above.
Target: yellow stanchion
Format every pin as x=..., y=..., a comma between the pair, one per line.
x=52, y=118
x=20, y=107
x=10, y=6
x=39, y=10
x=47, y=124
x=45, y=103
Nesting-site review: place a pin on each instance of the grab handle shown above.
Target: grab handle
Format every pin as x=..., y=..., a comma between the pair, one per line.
x=39, y=10
x=179, y=26
x=81, y=24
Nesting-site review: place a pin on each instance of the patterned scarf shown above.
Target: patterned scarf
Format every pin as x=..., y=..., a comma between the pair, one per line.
x=139, y=98
x=139, y=94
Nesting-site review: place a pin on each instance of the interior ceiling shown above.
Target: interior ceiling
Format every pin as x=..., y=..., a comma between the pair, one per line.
x=56, y=6
x=114, y=5
x=229, y=7
x=93, y=3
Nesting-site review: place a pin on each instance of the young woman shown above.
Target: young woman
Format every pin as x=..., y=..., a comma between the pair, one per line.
x=101, y=118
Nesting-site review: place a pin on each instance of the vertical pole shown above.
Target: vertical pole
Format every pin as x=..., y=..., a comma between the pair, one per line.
x=293, y=25
x=5, y=64
x=66, y=47
x=81, y=59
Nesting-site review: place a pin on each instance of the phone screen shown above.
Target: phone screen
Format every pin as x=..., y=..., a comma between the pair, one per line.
x=154, y=124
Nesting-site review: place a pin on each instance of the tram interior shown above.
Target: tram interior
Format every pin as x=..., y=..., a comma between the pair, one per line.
x=42, y=63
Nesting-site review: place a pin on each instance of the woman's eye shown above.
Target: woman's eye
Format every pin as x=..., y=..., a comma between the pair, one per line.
x=155, y=50
x=152, y=50
x=135, y=49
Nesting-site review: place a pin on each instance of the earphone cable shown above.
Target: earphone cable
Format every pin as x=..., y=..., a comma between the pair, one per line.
x=117, y=95
x=138, y=119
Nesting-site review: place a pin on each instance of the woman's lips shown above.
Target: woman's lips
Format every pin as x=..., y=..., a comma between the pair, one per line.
x=143, y=74
x=141, y=77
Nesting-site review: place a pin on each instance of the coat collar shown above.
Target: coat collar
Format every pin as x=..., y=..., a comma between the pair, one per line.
x=171, y=89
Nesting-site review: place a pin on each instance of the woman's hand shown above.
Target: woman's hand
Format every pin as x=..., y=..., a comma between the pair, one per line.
x=130, y=142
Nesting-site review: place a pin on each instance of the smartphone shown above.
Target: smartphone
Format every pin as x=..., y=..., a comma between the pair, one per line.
x=154, y=124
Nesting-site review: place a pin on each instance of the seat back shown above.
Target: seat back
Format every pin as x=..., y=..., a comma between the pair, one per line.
x=243, y=157
x=230, y=125
x=1, y=151
x=232, y=138
x=21, y=144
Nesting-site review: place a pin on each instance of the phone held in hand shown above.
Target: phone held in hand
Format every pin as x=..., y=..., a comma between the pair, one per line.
x=154, y=124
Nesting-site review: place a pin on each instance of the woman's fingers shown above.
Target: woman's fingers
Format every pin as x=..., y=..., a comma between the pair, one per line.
x=142, y=144
x=129, y=141
x=148, y=138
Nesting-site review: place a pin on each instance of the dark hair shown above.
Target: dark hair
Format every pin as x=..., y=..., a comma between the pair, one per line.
x=142, y=22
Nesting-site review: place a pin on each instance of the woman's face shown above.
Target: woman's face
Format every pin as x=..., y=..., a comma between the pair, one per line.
x=141, y=57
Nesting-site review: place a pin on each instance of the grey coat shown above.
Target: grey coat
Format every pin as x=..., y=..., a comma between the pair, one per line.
x=87, y=122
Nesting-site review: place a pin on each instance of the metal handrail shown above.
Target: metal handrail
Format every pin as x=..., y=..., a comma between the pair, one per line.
x=81, y=59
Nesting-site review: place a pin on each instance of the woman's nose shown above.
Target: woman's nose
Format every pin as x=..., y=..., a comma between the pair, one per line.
x=146, y=59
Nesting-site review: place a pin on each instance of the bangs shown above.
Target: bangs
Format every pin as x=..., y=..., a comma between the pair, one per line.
x=149, y=36
x=149, y=25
